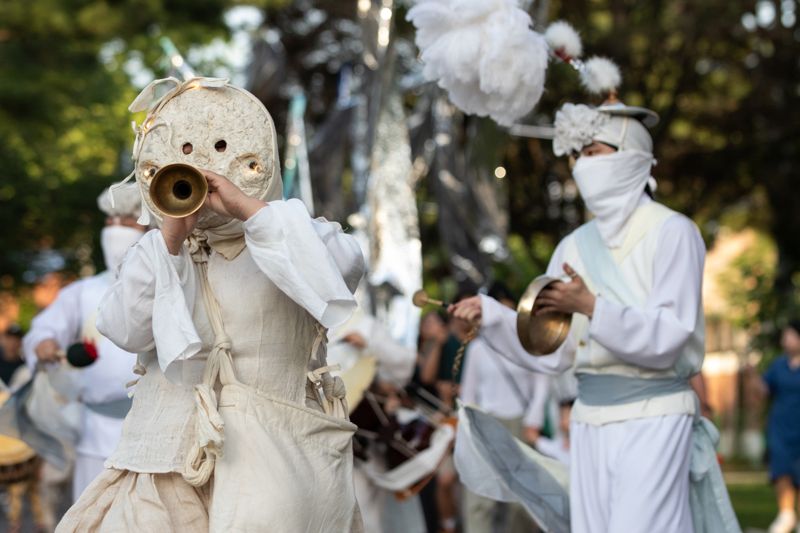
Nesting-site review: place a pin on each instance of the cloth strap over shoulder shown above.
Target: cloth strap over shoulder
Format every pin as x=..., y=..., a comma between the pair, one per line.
x=209, y=437
x=602, y=264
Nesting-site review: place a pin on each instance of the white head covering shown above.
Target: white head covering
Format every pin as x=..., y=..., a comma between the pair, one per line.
x=127, y=201
x=578, y=125
x=116, y=239
x=625, y=133
x=611, y=185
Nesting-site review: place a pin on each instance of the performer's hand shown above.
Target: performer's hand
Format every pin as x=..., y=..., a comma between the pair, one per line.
x=530, y=434
x=356, y=340
x=572, y=297
x=468, y=309
x=48, y=351
x=227, y=199
x=175, y=231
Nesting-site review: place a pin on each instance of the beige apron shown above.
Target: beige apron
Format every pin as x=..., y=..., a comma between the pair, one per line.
x=285, y=467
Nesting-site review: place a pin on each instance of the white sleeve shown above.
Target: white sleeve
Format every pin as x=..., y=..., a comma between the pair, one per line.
x=149, y=306
x=499, y=330
x=313, y=262
x=61, y=321
x=653, y=336
x=539, y=392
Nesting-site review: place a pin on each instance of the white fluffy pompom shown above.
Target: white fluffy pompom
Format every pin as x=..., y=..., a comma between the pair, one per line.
x=563, y=39
x=483, y=53
x=600, y=75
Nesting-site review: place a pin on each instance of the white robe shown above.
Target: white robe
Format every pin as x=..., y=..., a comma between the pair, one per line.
x=486, y=385
x=285, y=463
x=639, y=342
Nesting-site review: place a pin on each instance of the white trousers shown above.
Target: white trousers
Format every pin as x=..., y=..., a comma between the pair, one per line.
x=87, y=468
x=631, y=476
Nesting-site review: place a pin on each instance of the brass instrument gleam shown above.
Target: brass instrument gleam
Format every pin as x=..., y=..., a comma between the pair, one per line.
x=538, y=334
x=178, y=190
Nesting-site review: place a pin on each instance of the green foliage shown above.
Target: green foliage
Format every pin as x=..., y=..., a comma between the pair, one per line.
x=63, y=116
x=529, y=258
x=754, y=504
x=749, y=283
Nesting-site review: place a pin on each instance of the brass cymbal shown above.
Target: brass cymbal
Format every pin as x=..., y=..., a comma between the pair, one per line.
x=540, y=334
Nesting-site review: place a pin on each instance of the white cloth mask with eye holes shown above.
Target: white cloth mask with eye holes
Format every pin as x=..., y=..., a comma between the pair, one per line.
x=210, y=124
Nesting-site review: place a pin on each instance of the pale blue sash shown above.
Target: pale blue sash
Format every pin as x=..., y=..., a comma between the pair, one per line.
x=612, y=389
x=600, y=266
x=711, y=507
x=114, y=409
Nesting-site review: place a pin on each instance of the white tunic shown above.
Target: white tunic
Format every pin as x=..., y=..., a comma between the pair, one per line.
x=104, y=381
x=293, y=273
x=488, y=386
x=663, y=338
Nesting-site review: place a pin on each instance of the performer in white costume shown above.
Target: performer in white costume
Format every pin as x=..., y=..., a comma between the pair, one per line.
x=71, y=319
x=236, y=423
x=635, y=340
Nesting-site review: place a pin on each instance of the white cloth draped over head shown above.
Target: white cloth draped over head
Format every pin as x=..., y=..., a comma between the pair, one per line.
x=578, y=125
x=610, y=185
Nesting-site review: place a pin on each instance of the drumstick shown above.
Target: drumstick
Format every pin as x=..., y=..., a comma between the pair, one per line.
x=421, y=299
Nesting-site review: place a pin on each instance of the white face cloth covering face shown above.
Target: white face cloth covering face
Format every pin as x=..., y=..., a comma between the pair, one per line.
x=612, y=186
x=115, y=242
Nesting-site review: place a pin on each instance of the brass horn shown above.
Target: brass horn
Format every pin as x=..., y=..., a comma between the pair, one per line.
x=538, y=334
x=178, y=190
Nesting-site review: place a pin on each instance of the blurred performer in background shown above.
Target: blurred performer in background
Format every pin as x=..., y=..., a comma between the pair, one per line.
x=70, y=319
x=782, y=384
x=438, y=352
x=635, y=275
x=373, y=363
x=517, y=399
x=12, y=362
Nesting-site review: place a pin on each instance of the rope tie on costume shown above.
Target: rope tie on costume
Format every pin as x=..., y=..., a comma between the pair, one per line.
x=329, y=391
x=209, y=426
x=140, y=370
x=459, y=358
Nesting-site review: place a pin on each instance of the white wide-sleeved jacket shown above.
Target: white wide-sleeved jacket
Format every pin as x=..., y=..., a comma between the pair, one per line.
x=662, y=338
x=294, y=275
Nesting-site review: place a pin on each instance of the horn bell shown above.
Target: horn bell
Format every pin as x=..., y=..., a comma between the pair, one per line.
x=178, y=190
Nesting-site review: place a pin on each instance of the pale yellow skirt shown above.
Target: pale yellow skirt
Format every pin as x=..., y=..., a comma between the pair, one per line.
x=124, y=501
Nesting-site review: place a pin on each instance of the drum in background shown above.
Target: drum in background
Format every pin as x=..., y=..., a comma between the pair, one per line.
x=18, y=462
x=409, y=436
x=19, y=476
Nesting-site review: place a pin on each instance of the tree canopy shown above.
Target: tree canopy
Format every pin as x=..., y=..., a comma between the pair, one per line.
x=723, y=76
